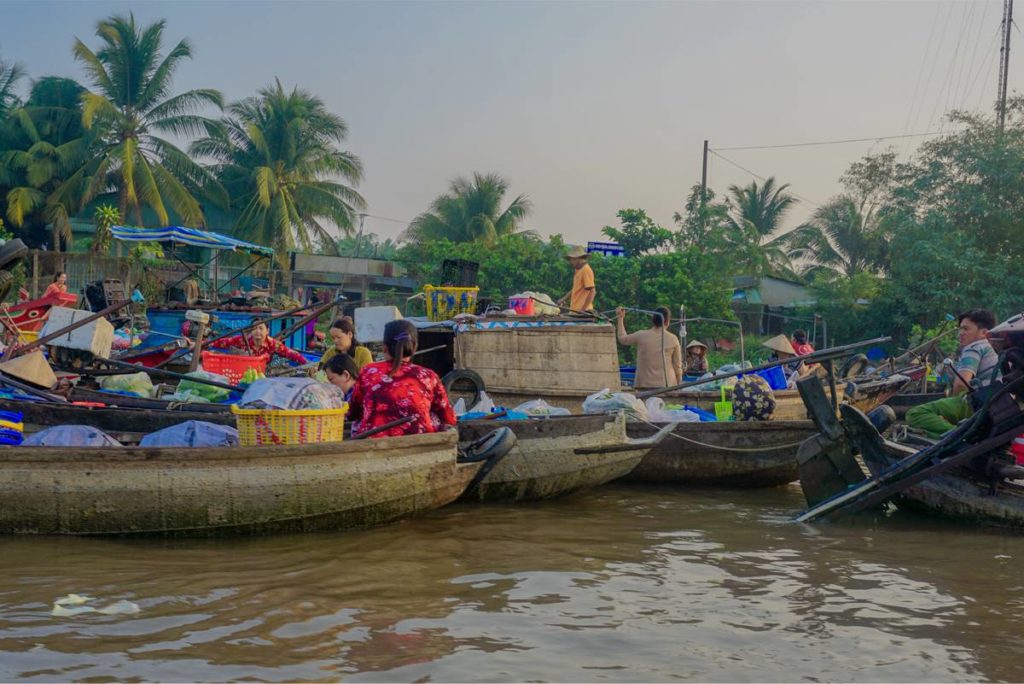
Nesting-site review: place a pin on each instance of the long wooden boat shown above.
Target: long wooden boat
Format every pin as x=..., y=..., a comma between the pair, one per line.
x=228, y=490
x=123, y=424
x=963, y=493
x=85, y=394
x=557, y=456
x=730, y=454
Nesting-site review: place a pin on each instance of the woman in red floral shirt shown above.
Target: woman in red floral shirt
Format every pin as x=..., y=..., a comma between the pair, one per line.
x=396, y=388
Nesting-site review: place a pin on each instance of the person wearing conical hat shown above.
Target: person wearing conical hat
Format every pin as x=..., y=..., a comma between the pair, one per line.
x=696, y=358
x=581, y=296
x=782, y=349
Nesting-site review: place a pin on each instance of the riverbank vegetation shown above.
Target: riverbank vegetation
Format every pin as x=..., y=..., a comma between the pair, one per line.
x=907, y=241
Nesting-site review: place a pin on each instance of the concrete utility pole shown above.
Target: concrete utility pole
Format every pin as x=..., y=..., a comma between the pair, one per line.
x=1004, y=63
x=704, y=175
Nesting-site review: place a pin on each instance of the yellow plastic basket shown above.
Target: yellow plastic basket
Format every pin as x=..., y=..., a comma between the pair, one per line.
x=266, y=427
x=444, y=303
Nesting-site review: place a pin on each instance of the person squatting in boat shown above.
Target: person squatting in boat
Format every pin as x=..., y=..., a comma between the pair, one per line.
x=259, y=343
x=978, y=366
x=397, y=388
x=659, y=361
x=342, y=372
x=343, y=339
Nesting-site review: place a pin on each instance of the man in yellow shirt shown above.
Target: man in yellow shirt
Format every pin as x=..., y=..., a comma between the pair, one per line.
x=581, y=296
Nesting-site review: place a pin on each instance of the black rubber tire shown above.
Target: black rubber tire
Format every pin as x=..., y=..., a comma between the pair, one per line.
x=464, y=376
x=854, y=366
x=6, y=283
x=494, y=444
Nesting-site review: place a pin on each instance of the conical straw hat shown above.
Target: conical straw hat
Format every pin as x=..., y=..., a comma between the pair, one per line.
x=696, y=343
x=780, y=343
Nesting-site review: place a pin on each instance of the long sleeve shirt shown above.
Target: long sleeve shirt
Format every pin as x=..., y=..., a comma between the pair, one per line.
x=380, y=397
x=659, y=359
x=270, y=348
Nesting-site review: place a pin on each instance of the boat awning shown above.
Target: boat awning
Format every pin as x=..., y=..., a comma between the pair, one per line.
x=189, y=236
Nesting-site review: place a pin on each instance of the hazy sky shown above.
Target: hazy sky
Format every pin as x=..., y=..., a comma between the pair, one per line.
x=587, y=107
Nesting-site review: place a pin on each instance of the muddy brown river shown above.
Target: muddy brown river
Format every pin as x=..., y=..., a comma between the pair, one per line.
x=621, y=584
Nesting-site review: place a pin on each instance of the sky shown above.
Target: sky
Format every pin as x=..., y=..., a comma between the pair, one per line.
x=585, y=107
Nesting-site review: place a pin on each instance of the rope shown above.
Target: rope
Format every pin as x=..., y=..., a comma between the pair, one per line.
x=742, y=450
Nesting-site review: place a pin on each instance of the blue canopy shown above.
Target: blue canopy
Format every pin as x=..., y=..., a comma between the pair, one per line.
x=189, y=236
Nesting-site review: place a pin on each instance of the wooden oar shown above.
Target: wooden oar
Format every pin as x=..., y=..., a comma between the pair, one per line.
x=813, y=357
x=386, y=426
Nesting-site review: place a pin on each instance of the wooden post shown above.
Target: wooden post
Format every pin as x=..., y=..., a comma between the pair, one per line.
x=35, y=274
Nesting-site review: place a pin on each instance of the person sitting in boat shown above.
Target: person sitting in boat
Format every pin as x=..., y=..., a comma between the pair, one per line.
x=342, y=372
x=696, y=358
x=800, y=344
x=397, y=388
x=978, y=366
x=658, y=359
x=58, y=286
x=782, y=350
x=343, y=337
x=259, y=342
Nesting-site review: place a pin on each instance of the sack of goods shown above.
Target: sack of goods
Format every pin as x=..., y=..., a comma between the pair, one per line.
x=607, y=401
x=291, y=394
x=192, y=433
x=71, y=436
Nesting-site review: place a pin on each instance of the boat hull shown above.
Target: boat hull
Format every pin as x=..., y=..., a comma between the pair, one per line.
x=547, y=461
x=227, y=491
x=728, y=454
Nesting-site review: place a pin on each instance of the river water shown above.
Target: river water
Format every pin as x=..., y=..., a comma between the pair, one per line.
x=620, y=584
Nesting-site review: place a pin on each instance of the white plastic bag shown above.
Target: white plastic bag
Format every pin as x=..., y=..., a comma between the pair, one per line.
x=657, y=413
x=607, y=401
x=460, y=407
x=485, y=405
x=541, y=408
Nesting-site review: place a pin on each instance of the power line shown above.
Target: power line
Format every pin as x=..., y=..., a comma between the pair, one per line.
x=758, y=176
x=828, y=142
x=385, y=218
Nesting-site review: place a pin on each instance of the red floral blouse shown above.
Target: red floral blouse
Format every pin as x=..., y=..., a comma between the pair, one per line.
x=270, y=348
x=380, y=397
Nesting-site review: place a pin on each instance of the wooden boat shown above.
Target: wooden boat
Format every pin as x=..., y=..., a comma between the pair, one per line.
x=557, y=456
x=228, y=490
x=123, y=424
x=29, y=316
x=730, y=454
x=901, y=403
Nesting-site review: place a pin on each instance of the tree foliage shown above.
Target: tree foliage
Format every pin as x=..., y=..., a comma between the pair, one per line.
x=471, y=211
x=638, y=234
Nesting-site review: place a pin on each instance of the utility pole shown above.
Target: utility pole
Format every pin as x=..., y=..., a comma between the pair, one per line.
x=1004, y=63
x=704, y=175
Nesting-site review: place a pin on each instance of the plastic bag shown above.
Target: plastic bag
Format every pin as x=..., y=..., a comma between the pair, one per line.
x=70, y=436
x=192, y=433
x=199, y=389
x=541, y=408
x=543, y=305
x=657, y=412
x=291, y=393
x=485, y=405
x=607, y=401
x=460, y=407
x=137, y=384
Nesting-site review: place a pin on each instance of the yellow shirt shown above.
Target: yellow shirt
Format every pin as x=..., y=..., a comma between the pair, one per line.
x=361, y=356
x=582, y=281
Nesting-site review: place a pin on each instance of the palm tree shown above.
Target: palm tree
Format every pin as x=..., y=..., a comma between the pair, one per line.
x=44, y=143
x=129, y=109
x=842, y=239
x=756, y=214
x=471, y=211
x=276, y=155
x=10, y=74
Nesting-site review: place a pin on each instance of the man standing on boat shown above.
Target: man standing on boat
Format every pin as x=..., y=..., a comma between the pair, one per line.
x=259, y=343
x=659, y=359
x=581, y=297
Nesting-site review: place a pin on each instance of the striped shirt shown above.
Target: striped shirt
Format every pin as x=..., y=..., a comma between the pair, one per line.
x=979, y=358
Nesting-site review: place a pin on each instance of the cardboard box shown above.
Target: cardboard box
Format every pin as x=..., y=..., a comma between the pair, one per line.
x=96, y=337
x=370, y=322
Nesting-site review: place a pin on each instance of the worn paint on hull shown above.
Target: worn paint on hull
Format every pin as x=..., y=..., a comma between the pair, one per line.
x=223, y=491
x=544, y=463
x=706, y=453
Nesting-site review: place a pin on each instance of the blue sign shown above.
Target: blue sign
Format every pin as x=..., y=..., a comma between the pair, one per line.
x=606, y=248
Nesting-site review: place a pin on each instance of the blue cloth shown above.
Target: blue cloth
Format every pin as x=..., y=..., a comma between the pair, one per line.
x=192, y=433
x=71, y=436
x=189, y=236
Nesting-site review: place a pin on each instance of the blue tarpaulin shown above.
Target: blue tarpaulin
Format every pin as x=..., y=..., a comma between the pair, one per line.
x=189, y=236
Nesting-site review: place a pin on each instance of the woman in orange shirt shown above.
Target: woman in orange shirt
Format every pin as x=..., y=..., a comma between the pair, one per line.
x=58, y=286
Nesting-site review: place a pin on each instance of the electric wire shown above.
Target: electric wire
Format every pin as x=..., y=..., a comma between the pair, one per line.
x=827, y=142
x=758, y=176
x=920, y=71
